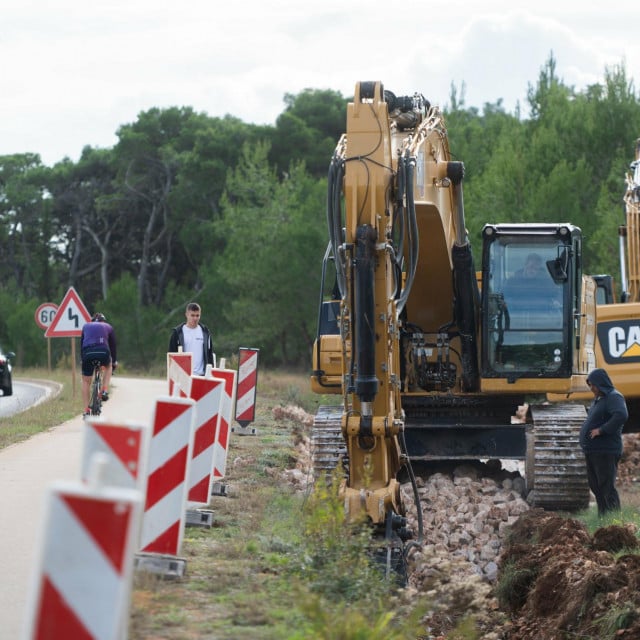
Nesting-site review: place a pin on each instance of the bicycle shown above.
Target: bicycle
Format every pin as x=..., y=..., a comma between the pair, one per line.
x=95, y=392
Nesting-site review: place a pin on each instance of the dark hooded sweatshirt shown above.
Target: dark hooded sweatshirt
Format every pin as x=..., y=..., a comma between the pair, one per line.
x=607, y=412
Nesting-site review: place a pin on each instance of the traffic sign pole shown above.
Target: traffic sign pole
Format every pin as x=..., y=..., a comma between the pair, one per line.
x=73, y=367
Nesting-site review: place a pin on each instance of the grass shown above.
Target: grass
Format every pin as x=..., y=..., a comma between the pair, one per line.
x=278, y=564
x=616, y=619
x=628, y=514
x=63, y=406
x=513, y=588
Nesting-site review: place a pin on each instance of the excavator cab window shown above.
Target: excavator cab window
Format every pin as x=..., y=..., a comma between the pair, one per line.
x=605, y=293
x=526, y=292
x=329, y=315
x=327, y=348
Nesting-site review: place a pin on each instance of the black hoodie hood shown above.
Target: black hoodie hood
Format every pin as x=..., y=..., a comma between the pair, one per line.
x=600, y=378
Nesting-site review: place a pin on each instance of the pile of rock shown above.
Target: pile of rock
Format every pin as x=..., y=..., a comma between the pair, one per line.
x=466, y=516
x=466, y=512
x=301, y=474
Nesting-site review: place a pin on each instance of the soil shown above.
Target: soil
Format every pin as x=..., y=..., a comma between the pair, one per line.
x=560, y=582
x=565, y=583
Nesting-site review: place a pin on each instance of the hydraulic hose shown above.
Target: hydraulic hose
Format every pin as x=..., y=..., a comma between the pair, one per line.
x=399, y=219
x=416, y=495
x=399, y=211
x=412, y=227
x=465, y=286
x=334, y=218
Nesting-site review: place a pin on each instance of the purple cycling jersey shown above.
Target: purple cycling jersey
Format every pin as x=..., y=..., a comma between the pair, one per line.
x=99, y=334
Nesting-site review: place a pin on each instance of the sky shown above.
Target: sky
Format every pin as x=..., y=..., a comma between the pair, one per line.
x=73, y=72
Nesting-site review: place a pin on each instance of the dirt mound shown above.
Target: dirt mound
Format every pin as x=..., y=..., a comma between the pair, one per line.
x=615, y=538
x=555, y=580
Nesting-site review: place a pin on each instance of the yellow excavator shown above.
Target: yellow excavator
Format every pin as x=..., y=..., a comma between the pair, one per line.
x=436, y=361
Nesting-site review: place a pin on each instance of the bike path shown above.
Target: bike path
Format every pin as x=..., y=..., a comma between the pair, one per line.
x=26, y=471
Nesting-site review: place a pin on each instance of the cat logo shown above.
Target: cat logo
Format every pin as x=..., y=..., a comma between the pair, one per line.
x=620, y=341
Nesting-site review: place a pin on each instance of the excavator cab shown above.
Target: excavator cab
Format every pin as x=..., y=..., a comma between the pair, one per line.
x=531, y=288
x=527, y=287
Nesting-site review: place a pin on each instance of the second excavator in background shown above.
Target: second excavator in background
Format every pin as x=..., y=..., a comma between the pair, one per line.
x=618, y=322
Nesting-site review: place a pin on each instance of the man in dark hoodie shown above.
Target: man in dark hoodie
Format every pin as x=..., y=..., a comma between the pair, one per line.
x=601, y=439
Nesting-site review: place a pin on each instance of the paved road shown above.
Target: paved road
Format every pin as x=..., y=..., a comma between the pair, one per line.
x=28, y=468
x=25, y=394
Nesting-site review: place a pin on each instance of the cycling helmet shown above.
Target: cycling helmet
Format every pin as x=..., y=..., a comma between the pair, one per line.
x=98, y=317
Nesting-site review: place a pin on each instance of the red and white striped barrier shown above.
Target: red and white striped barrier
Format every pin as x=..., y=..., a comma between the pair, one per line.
x=163, y=521
x=81, y=587
x=126, y=448
x=179, y=368
x=247, y=388
x=227, y=404
x=207, y=393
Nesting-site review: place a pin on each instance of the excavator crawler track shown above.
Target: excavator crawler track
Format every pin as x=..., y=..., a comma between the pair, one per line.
x=555, y=462
x=555, y=466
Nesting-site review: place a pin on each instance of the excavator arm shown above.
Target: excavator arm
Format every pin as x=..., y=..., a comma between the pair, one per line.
x=392, y=147
x=369, y=278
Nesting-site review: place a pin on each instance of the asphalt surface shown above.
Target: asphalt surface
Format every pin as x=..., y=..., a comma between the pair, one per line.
x=26, y=471
x=25, y=395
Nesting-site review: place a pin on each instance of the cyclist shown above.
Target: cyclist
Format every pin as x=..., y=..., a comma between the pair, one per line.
x=98, y=342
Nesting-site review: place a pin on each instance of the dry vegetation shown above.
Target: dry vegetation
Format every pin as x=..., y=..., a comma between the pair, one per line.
x=275, y=565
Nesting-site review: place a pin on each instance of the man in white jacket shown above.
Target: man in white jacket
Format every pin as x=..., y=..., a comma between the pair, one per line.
x=195, y=338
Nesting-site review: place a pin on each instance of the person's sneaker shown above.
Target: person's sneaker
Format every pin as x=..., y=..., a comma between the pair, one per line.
x=86, y=412
x=105, y=395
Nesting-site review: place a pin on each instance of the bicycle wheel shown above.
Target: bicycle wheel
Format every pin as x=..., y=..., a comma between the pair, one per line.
x=95, y=402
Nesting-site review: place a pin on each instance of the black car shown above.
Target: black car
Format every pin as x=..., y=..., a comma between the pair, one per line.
x=5, y=372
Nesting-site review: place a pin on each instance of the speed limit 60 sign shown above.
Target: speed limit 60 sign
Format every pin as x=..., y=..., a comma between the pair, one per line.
x=45, y=314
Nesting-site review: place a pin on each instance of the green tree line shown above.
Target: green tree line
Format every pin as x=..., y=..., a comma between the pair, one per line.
x=190, y=207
